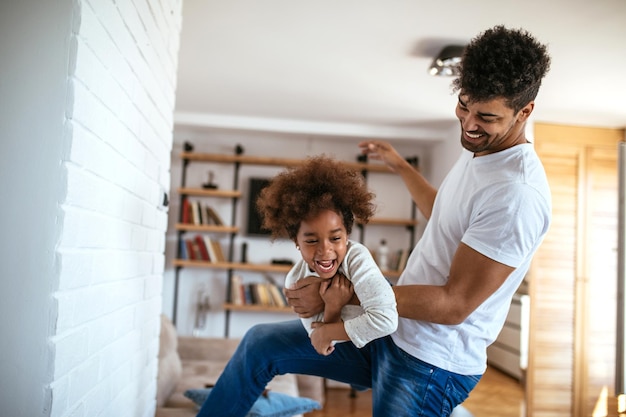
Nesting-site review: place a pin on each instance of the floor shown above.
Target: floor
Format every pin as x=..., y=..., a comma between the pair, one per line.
x=496, y=395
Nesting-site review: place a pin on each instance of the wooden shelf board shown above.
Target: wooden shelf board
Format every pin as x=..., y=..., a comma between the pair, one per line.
x=207, y=228
x=392, y=274
x=272, y=161
x=392, y=222
x=232, y=265
x=201, y=192
x=257, y=308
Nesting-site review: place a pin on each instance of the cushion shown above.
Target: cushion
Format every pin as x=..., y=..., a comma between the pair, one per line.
x=170, y=366
x=275, y=404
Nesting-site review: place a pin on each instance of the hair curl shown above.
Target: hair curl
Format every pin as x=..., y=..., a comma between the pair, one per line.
x=503, y=62
x=321, y=183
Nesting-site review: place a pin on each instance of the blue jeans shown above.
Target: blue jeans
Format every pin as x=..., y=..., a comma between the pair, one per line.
x=402, y=385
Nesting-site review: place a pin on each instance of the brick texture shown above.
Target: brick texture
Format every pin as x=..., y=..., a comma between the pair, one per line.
x=122, y=77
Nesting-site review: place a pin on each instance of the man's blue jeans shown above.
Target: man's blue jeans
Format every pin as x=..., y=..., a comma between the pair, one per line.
x=401, y=384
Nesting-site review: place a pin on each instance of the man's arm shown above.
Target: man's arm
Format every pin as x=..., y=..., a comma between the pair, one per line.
x=473, y=278
x=422, y=193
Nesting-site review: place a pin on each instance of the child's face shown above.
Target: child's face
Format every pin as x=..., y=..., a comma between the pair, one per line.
x=323, y=242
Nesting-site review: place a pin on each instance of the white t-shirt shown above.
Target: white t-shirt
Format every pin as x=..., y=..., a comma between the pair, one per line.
x=500, y=206
x=377, y=315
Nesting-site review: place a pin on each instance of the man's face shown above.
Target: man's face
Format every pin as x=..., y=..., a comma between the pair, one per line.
x=490, y=126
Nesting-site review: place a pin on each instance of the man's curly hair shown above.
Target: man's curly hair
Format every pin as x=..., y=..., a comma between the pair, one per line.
x=320, y=183
x=503, y=62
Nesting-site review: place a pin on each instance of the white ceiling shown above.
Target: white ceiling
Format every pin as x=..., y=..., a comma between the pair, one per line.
x=359, y=67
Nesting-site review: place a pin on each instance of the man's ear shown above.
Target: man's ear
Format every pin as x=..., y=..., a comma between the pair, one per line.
x=525, y=112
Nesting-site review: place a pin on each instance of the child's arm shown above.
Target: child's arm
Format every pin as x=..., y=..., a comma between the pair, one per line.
x=335, y=292
x=380, y=315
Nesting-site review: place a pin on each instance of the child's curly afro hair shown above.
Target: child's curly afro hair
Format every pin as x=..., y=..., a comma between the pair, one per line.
x=320, y=183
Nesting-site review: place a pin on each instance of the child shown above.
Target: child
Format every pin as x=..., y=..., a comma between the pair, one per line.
x=315, y=205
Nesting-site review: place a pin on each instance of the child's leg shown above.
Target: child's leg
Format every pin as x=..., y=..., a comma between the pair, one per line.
x=278, y=348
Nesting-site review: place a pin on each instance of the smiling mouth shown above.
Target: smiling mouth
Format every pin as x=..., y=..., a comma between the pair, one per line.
x=473, y=135
x=325, y=266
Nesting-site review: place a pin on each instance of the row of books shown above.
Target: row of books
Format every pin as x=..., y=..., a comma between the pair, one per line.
x=195, y=212
x=267, y=294
x=201, y=248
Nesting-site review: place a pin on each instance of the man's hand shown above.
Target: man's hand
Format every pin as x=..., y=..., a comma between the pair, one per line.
x=304, y=297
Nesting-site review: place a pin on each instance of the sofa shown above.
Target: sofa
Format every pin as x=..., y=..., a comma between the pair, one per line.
x=193, y=363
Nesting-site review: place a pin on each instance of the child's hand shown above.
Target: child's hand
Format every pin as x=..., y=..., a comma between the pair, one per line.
x=336, y=293
x=320, y=341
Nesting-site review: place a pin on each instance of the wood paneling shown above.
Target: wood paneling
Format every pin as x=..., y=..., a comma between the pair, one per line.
x=573, y=278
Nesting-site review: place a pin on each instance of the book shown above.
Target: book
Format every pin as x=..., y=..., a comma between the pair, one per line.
x=204, y=253
x=182, y=254
x=211, y=249
x=186, y=212
x=264, y=297
x=276, y=291
x=196, y=217
x=197, y=254
x=278, y=298
x=402, y=259
x=236, y=290
x=213, y=217
x=247, y=293
x=189, y=251
x=219, y=253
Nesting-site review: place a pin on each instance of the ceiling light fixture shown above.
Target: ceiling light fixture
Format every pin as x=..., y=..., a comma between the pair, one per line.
x=447, y=62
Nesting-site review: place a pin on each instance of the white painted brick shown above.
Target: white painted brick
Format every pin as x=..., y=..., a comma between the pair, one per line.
x=133, y=209
x=65, y=311
x=76, y=268
x=99, y=81
x=83, y=378
x=88, y=191
x=60, y=388
x=97, y=399
x=153, y=286
x=71, y=349
x=107, y=328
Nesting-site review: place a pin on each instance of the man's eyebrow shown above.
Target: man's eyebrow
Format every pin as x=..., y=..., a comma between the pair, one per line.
x=488, y=114
x=464, y=104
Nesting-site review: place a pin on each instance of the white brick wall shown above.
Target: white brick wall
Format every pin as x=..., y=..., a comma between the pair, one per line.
x=110, y=256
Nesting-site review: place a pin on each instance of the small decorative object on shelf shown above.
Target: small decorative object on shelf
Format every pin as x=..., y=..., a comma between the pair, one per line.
x=383, y=255
x=203, y=307
x=210, y=185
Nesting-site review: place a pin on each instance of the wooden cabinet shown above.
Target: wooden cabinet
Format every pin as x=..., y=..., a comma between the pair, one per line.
x=573, y=277
x=509, y=353
x=232, y=227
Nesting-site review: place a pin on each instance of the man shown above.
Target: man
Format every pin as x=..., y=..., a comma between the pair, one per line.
x=485, y=222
